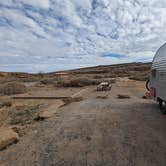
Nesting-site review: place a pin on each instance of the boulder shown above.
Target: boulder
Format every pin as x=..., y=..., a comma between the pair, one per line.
x=7, y=137
x=44, y=115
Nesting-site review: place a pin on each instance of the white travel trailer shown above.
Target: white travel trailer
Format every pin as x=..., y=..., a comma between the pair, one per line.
x=158, y=78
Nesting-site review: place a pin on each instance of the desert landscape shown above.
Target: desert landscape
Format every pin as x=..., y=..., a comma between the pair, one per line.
x=60, y=118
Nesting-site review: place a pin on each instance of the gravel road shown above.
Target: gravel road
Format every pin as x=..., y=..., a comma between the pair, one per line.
x=96, y=132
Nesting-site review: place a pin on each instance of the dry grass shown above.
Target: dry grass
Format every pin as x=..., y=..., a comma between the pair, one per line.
x=5, y=104
x=71, y=100
x=139, y=77
x=81, y=81
x=29, y=79
x=23, y=115
x=98, y=77
x=78, y=82
x=48, y=81
x=13, y=88
x=21, y=130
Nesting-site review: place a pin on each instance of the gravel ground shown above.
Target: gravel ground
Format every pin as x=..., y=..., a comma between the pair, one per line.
x=97, y=132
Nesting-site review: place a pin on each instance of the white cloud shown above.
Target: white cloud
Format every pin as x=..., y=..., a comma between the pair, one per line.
x=79, y=31
x=144, y=55
x=45, y=4
x=38, y=3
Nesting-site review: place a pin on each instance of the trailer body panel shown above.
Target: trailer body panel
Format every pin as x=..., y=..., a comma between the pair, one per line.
x=158, y=74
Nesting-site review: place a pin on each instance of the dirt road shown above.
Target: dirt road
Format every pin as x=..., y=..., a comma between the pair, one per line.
x=97, y=132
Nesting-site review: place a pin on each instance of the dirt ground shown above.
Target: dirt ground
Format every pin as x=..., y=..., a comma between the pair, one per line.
x=96, y=132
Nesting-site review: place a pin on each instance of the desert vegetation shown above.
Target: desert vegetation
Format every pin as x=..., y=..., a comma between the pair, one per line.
x=40, y=111
x=12, y=88
x=22, y=115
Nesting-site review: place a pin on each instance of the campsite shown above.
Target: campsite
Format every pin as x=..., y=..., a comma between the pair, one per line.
x=82, y=83
x=99, y=127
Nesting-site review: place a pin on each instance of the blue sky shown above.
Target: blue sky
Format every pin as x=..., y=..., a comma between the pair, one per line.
x=51, y=35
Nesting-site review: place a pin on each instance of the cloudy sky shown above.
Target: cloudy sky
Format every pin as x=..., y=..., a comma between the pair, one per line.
x=51, y=35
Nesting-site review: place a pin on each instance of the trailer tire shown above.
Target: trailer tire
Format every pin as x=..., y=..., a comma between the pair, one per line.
x=147, y=85
x=162, y=105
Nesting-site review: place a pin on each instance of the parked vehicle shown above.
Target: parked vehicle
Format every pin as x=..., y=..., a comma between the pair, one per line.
x=104, y=86
x=157, y=82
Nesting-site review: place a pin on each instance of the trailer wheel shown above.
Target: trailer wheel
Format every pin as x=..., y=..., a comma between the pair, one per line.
x=147, y=85
x=162, y=105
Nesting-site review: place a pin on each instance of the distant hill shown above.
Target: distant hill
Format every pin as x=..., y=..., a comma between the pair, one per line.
x=138, y=71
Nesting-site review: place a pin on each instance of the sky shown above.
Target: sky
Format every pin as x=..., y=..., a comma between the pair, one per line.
x=53, y=35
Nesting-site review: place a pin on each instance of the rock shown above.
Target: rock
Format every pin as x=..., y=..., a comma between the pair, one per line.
x=44, y=115
x=51, y=111
x=7, y=137
x=123, y=96
x=57, y=104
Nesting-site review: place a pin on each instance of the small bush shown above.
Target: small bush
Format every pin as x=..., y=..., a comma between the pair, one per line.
x=139, y=77
x=50, y=81
x=110, y=81
x=23, y=115
x=29, y=79
x=98, y=77
x=13, y=88
x=6, y=104
x=77, y=82
x=47, y=81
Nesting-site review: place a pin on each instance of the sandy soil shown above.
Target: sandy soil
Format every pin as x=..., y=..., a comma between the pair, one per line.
x=96, y=132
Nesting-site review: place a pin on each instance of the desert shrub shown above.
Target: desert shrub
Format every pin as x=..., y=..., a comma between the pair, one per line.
x=139, y=77
x=50, y=80
x=5, y=104
x=5, y=80
x=23, y=115
x=98, y=77
x=80, y=82
x=111, y=75
x=142, y=68
x=47, y=81
x=13, y=88
x=110, y=81
x=29, y=79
